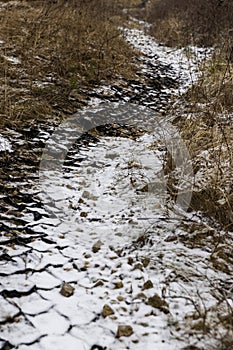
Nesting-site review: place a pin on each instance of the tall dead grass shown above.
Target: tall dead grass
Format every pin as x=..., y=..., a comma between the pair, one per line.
x=200, y=22
x=51, y=49
x=206, y=116
x=206, y=123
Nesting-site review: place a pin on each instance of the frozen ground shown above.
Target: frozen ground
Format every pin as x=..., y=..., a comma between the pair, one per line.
x=106, y=259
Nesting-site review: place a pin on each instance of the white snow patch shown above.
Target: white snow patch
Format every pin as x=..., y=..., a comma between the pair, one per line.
x=106, y=187
x=4, y=144
x=12, y=59
x=184, y=62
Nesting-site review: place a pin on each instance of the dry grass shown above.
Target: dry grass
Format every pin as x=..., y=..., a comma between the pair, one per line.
x=205, y=117
x=169, y=31
x=60, y=46
x=201, y=22
x=206, y=124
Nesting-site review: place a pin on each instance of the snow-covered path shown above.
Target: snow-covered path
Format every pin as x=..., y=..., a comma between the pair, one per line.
x=107, y=256
x=105, y=259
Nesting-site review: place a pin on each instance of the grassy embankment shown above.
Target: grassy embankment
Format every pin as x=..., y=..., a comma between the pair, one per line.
x=51, y=51
x=205, y=116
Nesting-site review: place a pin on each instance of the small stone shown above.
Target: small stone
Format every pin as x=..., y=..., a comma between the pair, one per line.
x=138, y=266
x=158, y=303
x=113, y=257
x=145, y=262
x=75, y=266
x=98, y=284
x=86, y=264
x=124, y=309
x=83, y=214
x=70, y=187
x=124, y=331
x=86, y=194
x=107, y=311
x=130, y=260
x=120, y=298
x=83, y=268
x=144, y=324
x=118, y=285
x=147, y=285
x=113, y=317
x=96, y=247
x=97, y=347
x=119, y=252
x=72, y=206
x=141, y=296
x=67, y=290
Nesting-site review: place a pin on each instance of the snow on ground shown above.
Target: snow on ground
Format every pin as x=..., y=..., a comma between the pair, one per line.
x=108, y=264
x=99, y=197
x=4, y=144
x=149, y=287
x=12, y=59
x=102, y=188
x=184, y=62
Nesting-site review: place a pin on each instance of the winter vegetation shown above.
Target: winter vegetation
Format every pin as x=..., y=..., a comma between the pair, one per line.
x=205, y=116
x=181, y=22
x=52, y=50
x=99, y=258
